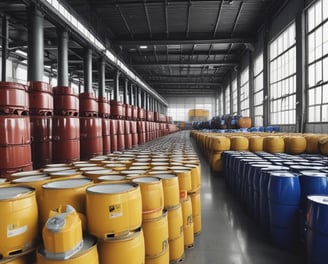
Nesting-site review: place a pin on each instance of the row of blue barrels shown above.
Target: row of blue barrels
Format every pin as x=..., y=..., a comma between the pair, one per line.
x=286, y=195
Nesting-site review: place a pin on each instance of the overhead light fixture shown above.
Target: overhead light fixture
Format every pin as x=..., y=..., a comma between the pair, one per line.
x=143, y=47
x=230, y=2
x=21, y=53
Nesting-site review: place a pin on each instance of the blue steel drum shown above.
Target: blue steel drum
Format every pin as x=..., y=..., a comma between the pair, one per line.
x=299, y=168
x=284, y=194
x=312, y=182
x=317, y=232
x=285, y=188
x=264, y=202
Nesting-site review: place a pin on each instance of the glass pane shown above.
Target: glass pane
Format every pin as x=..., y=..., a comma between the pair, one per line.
x=325, y=38
x=324, y=113
x=311, y=74
x=318, y=72
x=318, y=13
x=325, y=69
x=318, y=43
x=311, y=45
x=311, y=116
x=325, y=9
x=325, y=94
x=311, y=97
x=310, y=18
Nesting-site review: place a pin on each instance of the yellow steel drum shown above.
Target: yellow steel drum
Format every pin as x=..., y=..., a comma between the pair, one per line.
x=61, y=192
x=184, y=176
x=176, y=239
x=19, y=221
x=95, y=174
x=88, y=254
x=196, y=212
x=127, y=249
x=152, y=196
x=113, y=209
x=164, y=258
x=62, y=233
x=156, y=235
x=70, y=173
x=188, y=226
x=176, y=247
x=116, y=166
x=171, y=189
x=195, y=176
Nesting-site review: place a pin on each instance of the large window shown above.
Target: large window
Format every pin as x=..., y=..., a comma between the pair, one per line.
x=234, y=96
x=258, y=90
x=227, y=99
x=221, y=105
x=283, y=77
x=244, y=92
x=317, y=62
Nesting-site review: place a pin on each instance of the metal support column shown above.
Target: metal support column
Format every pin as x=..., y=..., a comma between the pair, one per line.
x=125, y=91
x=266, y=76
x=117, y=85
x=238, y=76
x=131, y=94
x=251, y=86
x=87, y=70
x=62, y=66
x=5, y=41
x=101, y=77
x=35, y=45
x=139, y=103
x=300, y=66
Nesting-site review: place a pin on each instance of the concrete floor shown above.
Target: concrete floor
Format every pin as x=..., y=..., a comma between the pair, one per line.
x=229, y=235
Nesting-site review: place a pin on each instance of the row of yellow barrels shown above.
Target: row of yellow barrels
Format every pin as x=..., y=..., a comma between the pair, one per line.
x=73, y=188
x=213, y=144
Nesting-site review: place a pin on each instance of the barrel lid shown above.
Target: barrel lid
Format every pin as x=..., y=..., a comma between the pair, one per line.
x=66, y=184
x=313, y=173
x=26, y=173
x=283, y=174
x=166, y=176
x=64, y=173
x=125, y=172
x=85, y=164
x=99, y=172
x=10, y=192
x=84, y=169
x=54, y=169
x=115, y=165
x=55, y=165
x=275, y=167
x=146, y=180
x=112, y=177
x=179, y=168
x=110, y=188
x=321, y=199
x=31, y=179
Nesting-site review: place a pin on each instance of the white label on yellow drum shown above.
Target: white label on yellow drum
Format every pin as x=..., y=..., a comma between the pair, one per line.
x=115, y=210
x=12, y=231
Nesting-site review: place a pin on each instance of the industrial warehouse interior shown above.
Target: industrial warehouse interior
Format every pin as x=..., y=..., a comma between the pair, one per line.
x=164, y=131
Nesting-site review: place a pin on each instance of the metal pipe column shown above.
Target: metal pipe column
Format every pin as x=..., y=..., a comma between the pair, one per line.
x=35, y=45
x=5, y=40
x=131, y=92
x=125, y=91
x=101, y=77
x=87, y=70
x=62, y=67
x=116, y=85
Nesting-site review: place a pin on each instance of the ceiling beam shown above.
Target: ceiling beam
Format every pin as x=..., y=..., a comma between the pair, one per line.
x=124, y=19
x=218, y=40
x=188, y=18
x=166, y=19
x=188, y=77
x=186, y=52
x=186, y=83
x=187, y=64
x=147, y=18
x=217, y=19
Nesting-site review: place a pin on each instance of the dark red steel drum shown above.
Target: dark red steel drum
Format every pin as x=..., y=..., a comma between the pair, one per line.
x=134, y=112
x=141, y=114
x=133, y=127
x=88, y=104
x=123, y=112
x=91, y=139
x=103, y=107
x=120, y=126
x=116, y=109
x=15, y=148
x=128, y=141
x=141, y=126
x=13, y=98
x=150, y=116
x=120, y=142
x=41, y=135
x=134, y=139
x=157, y=117
x=113, y=142
x=106, y=132
x=40, y=98
x=142, y=137
x=128, y=111
x=113, y=126
x=66, y=101
x=127, y=127
x=65, y=139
